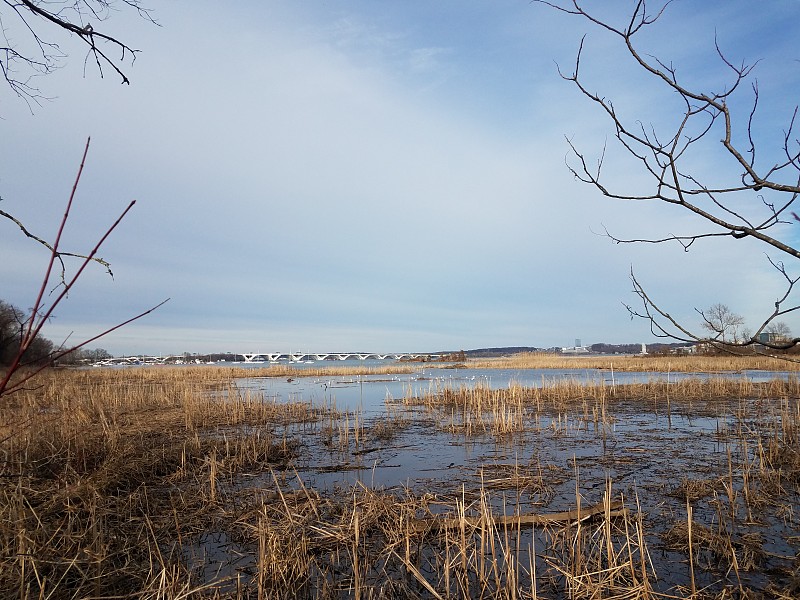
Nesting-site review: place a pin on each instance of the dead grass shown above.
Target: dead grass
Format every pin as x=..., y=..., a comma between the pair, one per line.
x=562, y=394
x=654, y=363
x=717, y=549
x=103, y=471
x=371, y=543
x=111, y=480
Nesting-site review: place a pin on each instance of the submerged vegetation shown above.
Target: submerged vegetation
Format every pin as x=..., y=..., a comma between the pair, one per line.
x=177, y=483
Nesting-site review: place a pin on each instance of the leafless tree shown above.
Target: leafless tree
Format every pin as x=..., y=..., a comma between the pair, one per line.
x=757, y=204
x=778, y=330
x=11, y=322
x=32, y=33
x=724, y=324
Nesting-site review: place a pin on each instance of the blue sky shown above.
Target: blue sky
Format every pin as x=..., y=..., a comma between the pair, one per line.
x=332, y=176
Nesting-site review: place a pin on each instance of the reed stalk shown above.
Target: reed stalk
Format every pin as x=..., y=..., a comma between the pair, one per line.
x=689, y=522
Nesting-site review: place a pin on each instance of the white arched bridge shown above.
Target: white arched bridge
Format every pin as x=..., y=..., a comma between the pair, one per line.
x=306, y=356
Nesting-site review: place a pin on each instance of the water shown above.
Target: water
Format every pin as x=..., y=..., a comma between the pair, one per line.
x=421, y=452
x=648, y=453
x=368, y=394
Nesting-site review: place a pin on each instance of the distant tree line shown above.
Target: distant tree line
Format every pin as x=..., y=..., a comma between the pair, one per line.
x=12, y=322
x=81, y=356
x=493, y=352
x=41, y=350
x=616, y=348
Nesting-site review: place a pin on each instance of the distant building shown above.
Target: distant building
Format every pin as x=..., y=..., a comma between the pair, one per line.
x=686, y=349
x=578, y=348
x=575, y=350
x=771, y=337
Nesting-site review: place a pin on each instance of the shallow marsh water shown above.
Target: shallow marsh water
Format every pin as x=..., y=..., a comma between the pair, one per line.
x=652, y=455
x=368, y=393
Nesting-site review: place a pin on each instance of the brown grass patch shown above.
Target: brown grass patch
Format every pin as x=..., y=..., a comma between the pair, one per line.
x=652, y=363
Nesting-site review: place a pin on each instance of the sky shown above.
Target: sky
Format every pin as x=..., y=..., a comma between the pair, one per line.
x=375, y=176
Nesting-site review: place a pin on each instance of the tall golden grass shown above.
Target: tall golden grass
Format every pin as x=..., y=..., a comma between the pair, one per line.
x=102, y=473
x=689, y=363
x=515, y=409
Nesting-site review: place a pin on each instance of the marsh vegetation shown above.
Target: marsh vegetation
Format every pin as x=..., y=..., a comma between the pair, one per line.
x=184, y=483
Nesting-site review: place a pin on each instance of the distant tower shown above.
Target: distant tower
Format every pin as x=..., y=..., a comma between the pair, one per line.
x=644, y=348
x=578, y=342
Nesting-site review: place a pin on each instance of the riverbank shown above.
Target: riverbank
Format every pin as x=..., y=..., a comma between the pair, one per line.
x=676, y=363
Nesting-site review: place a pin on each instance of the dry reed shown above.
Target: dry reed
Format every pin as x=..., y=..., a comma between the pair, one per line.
x=690, y=363
x=111, y=482
x=103, y=472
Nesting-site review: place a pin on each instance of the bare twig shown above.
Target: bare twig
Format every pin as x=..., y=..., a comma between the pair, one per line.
x=40, y=315
x=19, y=67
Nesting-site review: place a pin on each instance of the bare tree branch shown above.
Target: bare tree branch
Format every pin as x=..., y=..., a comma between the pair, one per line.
x=666, y=156
x=61, y=254
x=40, y=314
x=22, y=58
